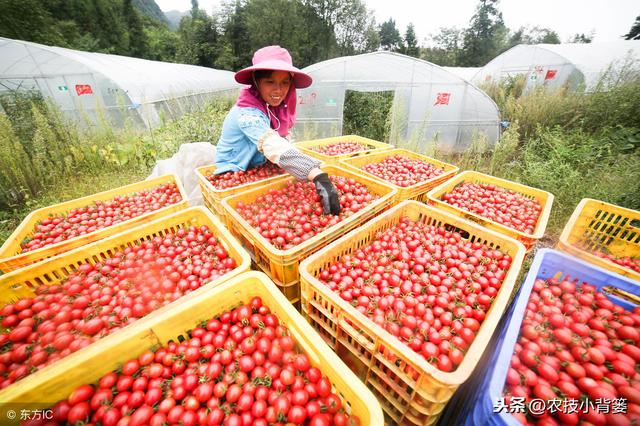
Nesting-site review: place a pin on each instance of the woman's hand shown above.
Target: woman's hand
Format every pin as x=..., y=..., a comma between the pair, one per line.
x=327, y=193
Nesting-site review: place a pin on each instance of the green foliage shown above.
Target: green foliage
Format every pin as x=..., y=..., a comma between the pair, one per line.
x=365, y=114
x=390, y=38
x=447, y=49
x=411, y=42
x=41, y=149
x=485, y=36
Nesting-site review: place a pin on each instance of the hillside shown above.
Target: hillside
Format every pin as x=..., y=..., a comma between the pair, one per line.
x=151, y=9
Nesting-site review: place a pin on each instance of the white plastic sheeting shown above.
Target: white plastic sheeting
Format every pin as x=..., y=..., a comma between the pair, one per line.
x=82, y=83
x=466, y=73
x=554, y=65
x=429, y=104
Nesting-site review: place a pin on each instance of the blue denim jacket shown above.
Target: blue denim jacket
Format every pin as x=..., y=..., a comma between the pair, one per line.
x=238, y=144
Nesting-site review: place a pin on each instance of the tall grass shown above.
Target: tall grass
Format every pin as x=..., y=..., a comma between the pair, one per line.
x=570, y=143
x=41, y=148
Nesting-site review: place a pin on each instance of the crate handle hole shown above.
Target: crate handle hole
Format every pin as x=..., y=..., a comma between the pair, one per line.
x=635, y=223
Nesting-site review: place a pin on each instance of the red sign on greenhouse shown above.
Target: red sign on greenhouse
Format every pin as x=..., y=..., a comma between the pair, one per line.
x=84, y=89
x=550, y=74
x=443, y=98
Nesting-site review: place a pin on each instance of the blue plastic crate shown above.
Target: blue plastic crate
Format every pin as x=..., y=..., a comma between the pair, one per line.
x=547, y=263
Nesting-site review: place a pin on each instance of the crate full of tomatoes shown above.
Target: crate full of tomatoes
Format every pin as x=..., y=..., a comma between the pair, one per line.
x=572, y=345
x=508, y=207
x=215, y=187
x=62, y=227
x=411, y=174
x=56, y=307
x=411, y=300
x=236, y=354
x=606, y=235
x=332, y=150
x=284, y=222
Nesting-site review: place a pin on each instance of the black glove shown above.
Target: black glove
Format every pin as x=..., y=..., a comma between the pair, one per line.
x=327, y=193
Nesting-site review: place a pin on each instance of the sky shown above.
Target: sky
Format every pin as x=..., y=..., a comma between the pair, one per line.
x=608, y=19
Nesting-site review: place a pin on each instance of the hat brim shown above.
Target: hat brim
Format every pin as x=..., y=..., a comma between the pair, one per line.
x=300, y=79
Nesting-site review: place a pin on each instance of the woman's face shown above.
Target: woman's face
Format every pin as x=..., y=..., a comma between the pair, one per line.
x=275, y=87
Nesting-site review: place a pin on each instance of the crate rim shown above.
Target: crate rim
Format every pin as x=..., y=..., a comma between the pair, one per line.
x=89, y=198
x=148, y=323
x=203, y=179
x=541, y=224
x=311, y=241
x=463, y=371
x=399, y=151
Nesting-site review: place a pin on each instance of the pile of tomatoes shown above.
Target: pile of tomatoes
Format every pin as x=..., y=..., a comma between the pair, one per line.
x=289, y=216
x=101, y=214
x=403, y=171
x=240, y=369
x=340, y=148
x=425, y=285
x=99, y=299
x=576, y=344
x=501, y=205
x=632, y=263
x=228, y=180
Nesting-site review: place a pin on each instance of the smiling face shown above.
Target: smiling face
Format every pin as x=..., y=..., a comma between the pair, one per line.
x=273, y=87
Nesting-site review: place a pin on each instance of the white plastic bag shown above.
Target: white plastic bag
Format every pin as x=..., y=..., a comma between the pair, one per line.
x=189, y=157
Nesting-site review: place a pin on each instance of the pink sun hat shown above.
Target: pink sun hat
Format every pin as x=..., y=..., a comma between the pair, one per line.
x=273, y=58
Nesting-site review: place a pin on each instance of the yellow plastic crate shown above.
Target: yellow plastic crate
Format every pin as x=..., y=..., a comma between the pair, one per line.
x=375, y=146
x=23, y=283
x=411, y=390
x=597, y=226
x=414, y=192
x=50, y=385
x=212, y=197
x=282, y=265
x=12, y=257
x=543, y=197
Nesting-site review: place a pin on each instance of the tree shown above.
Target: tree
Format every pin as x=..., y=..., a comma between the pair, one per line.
x=582, y=38
x=447, y=48
x=634, y=32
x=411, y=42
x=237, y=48
x=28, y=20
x=486, y=35
x=137, y=38
x=535, y=35
x=352, y=27
x=390, y=36
x=198, y=38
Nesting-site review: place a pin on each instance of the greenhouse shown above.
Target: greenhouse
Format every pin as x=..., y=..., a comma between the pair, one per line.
x=85, y=85
x=429, y=103
x=572, y=64
x=465, y=72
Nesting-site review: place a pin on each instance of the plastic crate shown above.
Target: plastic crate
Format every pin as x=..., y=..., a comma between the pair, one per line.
x=543, y=197
x=546, y=264
x=12, y=257
x=598, y=226
x=375, y=146
x=23, y=283
x=282, y=265
x=53, y=384
x=212, y=197
x=411, y=390
x=417, y=191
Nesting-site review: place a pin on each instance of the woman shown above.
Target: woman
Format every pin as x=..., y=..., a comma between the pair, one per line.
x=255, y=129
